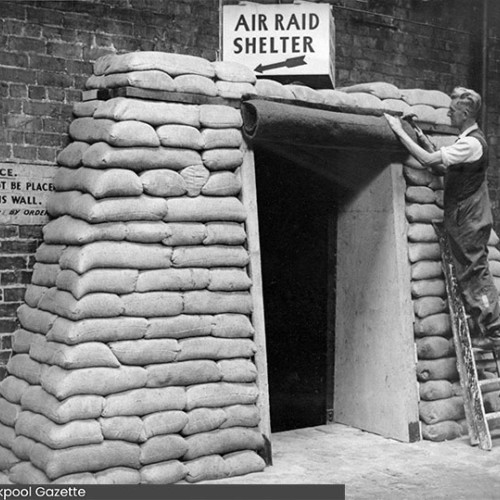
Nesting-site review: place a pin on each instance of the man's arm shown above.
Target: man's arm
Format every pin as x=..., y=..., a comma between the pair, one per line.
x=431, y=160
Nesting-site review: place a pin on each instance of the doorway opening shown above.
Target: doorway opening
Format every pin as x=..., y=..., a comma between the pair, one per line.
x=297, y=211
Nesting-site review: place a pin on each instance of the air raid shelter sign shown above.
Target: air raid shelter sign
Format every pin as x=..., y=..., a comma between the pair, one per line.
x=279, y=39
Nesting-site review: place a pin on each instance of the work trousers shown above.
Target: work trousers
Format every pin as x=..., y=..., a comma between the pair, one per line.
x=468, y=224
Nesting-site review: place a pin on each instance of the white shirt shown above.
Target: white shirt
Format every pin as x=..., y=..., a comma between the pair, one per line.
x=465, y=150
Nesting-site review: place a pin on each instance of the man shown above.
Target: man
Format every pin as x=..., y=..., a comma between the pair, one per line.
x=467, y=211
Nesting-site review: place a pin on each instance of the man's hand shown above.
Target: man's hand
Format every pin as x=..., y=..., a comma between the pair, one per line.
x=394, y=123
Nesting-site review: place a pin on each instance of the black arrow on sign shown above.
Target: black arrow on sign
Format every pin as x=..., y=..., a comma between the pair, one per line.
x=288, y=63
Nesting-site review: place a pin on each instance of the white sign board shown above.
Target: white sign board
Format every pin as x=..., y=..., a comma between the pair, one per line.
x=278, y=39
x=23, y=192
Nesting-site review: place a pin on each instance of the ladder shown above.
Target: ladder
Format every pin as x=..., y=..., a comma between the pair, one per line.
x=478, y=421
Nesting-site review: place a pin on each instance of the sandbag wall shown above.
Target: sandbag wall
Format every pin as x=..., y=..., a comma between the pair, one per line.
x=134, y=360
x=441, y=405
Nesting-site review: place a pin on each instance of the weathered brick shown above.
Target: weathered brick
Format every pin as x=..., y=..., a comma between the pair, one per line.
x=47, y=63
x=64, y=50
x=24, y=152
x=9, y=231
x=14, y=294
x=12, y=262
x=26, y=44
x=50, y=17
x=43, y=139
x=54, y=79
x=47, y=155
x=3, y=372
x=18, y=75
x=15, y=59
x=18, y=90
x=4, y=356
x=36, y=92
x=13, y=10
x=7, y=326
x=8, y=309
x=17, y=246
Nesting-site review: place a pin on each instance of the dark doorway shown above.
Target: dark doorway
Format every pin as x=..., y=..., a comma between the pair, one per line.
x=296, y=207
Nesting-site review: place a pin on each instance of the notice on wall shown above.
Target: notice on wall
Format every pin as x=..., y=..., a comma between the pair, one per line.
x=24, y=190
x=279, y=39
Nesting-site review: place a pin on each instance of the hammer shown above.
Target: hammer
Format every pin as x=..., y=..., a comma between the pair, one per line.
x=425, y=142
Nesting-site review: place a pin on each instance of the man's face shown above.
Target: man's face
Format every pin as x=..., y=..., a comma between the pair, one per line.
x=457, y=113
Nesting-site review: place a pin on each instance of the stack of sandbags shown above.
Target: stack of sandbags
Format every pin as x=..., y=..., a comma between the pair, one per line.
x=134, y=360
x=429, y=106
x=441, y=404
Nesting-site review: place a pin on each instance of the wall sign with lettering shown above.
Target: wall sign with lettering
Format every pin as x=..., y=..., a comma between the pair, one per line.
x=279, y=39
x=24, y=190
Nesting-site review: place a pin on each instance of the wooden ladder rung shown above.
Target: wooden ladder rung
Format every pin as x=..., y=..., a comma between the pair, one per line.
x=493, y=416
x=489, y=383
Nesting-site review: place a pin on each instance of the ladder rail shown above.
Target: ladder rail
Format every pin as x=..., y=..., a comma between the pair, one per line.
x=477, y=421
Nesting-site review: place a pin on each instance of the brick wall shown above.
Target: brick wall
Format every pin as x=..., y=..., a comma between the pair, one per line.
x=47, y=48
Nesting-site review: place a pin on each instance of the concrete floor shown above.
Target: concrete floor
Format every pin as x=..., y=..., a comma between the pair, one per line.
x=373, y=467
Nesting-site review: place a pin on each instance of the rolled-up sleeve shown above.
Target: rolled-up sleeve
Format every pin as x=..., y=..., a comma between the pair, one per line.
x=465, y=150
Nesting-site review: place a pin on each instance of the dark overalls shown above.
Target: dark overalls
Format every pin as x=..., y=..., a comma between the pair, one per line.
x=468, y=222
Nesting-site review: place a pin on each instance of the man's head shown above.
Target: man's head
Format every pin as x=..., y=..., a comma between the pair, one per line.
x=464, y=107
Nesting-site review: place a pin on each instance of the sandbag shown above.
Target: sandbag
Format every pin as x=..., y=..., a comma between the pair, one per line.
x=195, y=177
x=422, y=288
x=35, y=320
x=155, y=113
x=435, y=324
x=183, y=373
x=172, y=64
x=232, y=326
x=85, y=108
x=437, y=369
x=435, y=389
x=336, y=98
x=94, y=457
x=23, y=367
x=143, y=401
x=93, y=305
x=439, y=410
x=102, y=155
x=434, y=98
x=118, y=475
x=163, y=422
x=68, y=357
x=45, y=274
x=127, y=133
x=152, y=304
x=434, y=347
x=168, y=472
x=117, y=281
x=26, y=473
x=417, y=177
x=206, y=469
x=219, y=116
x=220, y=394
x=12, y=388
x=9, y=412
x=163, y=182
x=420, y=194
x=145, y=352
x=442, y=431
x=184, y=233
x=223, y=441
x=22, y=447
x=237, y=370
x=213, y=138
x=427, y=213
x=424, y=113
x=55, y=436
x=71, y=156
x=37, y=400
x=366, y=101
x=34, y=294
x=229, y=279
x=234, y=90
x=122, y=428
x=204, y=209
x=49, y=254
x=427, y=306
x=125, y=208
x=81, y=478
x=162, y=448
x=180, y=136
x=99, y=183
x=215, y=348
x=224, y=233
x=424, y=251
x=203, y=301
x=382, y=90
x=233, y=72
x=7, y=436
x=240, y=463
x=110, y=254
x=195, y=84
x=97, y=329
x=7, y=458
x=303, y=93
x=271, y=88
x=203, y=420
x=241, y=416
x=222, y=184
x=150, y=79
x=146, y=231
x=210, y=256
x=173, y=279
x=69, y=231
x=22, y=340
x=396, y=105
x=422, y=233
x=179, y=326
x=426, y=269
x=99, y=381
x=222, y=158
